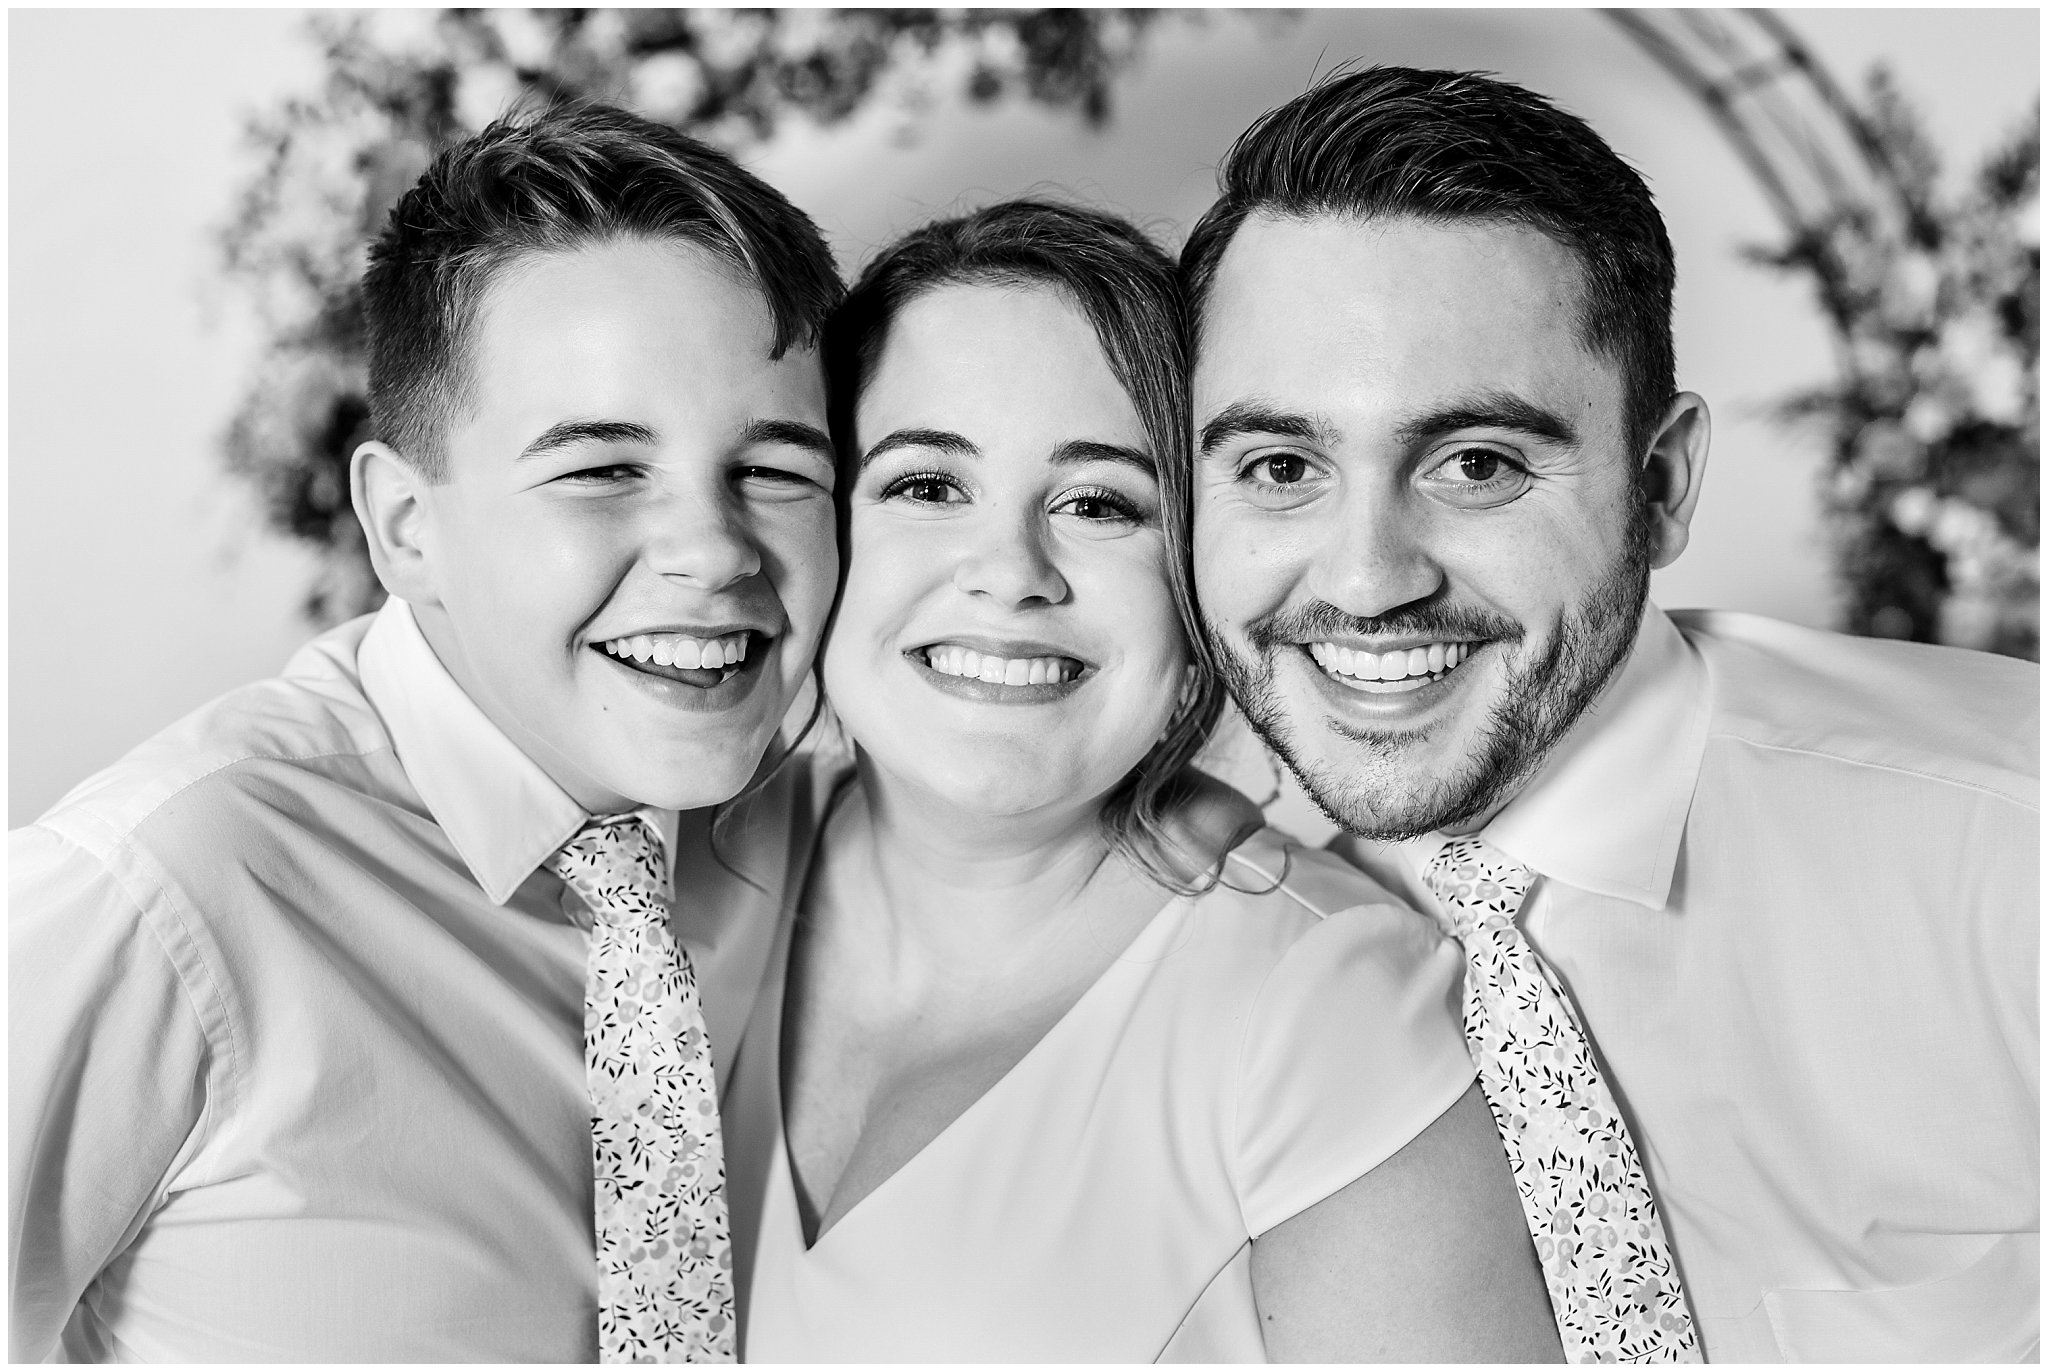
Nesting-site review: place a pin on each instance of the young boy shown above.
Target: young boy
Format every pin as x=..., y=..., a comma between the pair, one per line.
x=324, y=1000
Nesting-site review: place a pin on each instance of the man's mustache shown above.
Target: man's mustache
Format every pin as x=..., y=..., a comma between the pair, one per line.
x=1318, y=619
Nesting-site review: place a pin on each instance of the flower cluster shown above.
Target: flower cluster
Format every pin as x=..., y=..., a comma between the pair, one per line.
x=1934, y=420
x=402, y=84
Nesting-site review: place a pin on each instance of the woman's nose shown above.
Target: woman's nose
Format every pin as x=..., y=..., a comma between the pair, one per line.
x=1012, y=563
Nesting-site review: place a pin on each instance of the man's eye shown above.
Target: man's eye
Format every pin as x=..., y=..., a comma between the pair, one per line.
x=1477, y=479
x=1479, y=466
x=1279, y=469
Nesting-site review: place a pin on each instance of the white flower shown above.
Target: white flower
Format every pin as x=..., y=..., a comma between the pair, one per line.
x=1913, y=510
x=483, y=92
x=1911, y=288
x=1928, y=418
x=667, y=86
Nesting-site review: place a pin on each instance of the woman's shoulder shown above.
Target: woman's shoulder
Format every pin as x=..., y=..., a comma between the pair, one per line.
x=1278, y=889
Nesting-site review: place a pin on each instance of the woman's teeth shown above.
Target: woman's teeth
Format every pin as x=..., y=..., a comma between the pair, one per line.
x=1403, y=669
x=951, y=659
x=680, y=650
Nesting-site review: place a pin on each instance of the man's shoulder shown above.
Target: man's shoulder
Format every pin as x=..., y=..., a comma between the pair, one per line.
x=1947, y=715
x=311, y=715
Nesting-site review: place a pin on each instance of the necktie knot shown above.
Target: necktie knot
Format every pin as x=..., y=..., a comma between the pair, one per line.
x=615, y=866
x=1475, y=884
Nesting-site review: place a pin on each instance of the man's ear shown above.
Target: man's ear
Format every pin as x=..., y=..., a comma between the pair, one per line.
x=389, y=495
x=1672, y=471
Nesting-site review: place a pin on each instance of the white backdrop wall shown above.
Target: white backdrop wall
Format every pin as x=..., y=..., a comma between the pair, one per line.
x=140, y=584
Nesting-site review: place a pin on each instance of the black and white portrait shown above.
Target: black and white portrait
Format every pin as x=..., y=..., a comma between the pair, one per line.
x=1099, y=685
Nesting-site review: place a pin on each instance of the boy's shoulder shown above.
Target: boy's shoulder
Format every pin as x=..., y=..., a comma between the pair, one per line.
x=1947, y=715
x=312, y=715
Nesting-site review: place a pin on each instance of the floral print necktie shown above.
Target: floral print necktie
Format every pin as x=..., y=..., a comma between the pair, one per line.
x=1605, y=1259
x=664, y=1253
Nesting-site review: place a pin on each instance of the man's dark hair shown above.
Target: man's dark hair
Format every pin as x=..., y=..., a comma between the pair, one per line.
x=550, y=181
x=1124, y=285
x=1456, y=146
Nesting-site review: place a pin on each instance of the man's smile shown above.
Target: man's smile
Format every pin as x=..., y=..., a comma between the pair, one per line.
x=1396, y=669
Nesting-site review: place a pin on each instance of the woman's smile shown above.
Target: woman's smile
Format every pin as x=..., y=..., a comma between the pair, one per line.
x=1001, y=672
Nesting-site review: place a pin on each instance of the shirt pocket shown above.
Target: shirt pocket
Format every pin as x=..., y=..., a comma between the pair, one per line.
x=1988, y=1312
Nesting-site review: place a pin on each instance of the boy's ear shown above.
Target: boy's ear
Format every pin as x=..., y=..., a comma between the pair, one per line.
x=390, y=497
x=1673, y=470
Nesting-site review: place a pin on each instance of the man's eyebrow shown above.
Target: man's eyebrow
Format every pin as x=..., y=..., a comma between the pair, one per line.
x=1264, y=418
x=570, y=432
x=1493, y=410
x=1088, y=450
x=790, y=431
x=944, y=440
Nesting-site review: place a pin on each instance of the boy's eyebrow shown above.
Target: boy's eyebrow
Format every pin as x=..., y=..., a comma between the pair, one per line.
x=1493, y=410
x=570, y=432
x=790, y=431
x=944, y=440
x=1263, y=417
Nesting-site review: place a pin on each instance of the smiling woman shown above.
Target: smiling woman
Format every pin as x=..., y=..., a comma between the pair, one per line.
x=1060, y=1056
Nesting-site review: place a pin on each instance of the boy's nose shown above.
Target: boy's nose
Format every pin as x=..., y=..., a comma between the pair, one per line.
x=703, y=542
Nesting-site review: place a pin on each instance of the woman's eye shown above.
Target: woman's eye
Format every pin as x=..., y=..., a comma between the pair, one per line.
x=924, y=488
x=1097, y=505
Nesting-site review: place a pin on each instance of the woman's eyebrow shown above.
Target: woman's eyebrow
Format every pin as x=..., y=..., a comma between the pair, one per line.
x=1088, y=450
x=943, y=440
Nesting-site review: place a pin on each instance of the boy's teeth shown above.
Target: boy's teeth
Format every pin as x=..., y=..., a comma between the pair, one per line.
x=1398, y=665
x=680, y=650
x=953, y=660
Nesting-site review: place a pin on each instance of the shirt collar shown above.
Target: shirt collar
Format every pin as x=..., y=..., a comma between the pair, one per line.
x=1607, y=811
x=503, y=814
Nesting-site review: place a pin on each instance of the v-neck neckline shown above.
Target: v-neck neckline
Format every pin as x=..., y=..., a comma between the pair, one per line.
x=1138, y=951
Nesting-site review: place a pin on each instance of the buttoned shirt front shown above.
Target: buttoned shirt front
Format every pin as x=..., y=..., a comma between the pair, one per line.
x=296, y=1027
x=1790, y=880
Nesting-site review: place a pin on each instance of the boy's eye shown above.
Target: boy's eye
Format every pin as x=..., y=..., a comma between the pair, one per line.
x=592, y=475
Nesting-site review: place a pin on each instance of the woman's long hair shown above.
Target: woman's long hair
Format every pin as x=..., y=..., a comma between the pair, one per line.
x=1127, y=289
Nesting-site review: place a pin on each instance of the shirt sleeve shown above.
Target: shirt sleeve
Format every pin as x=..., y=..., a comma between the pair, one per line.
x=1354, y=1046
x=106, y=1079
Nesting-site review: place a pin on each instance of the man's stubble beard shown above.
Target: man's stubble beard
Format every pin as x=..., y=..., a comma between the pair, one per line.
x=1539, y=702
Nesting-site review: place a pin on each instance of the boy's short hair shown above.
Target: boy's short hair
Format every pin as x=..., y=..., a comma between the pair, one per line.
x=1457, y=147
x=550, y=181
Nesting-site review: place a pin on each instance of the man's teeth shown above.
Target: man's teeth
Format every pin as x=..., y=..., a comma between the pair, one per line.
x=1402, y=664
x=680, y=650
x=954, y=660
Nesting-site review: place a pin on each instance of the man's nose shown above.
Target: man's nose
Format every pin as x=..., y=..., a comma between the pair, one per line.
x=1009, y=559
x=702, y=538
x=1376, y=557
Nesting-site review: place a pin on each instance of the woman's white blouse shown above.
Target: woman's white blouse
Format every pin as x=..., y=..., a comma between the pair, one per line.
x=1253, y=1051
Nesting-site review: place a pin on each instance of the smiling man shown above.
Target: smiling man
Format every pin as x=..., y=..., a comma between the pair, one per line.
x=349, y=1018
x=1750, y=911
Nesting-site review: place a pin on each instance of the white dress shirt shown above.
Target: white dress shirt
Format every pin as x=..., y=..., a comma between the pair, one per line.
x=1791, y=880
x=296, y=1028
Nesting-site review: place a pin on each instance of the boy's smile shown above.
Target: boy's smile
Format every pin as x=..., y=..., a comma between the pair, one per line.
x=632, y=555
